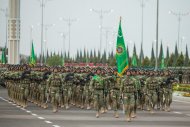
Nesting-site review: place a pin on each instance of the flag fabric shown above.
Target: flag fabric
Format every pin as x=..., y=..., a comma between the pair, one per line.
x=3, y=57
x=32, y=56
x=134, y=60
x=121, y=53
x=162, y=61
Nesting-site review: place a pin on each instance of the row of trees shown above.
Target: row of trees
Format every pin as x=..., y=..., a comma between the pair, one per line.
x=170, y=59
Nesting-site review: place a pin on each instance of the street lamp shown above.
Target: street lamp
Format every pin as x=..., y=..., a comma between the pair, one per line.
x=157, y=19
x=179, y=15
x=31, y=36
x=63, y=35
x=142, y=4
x=182, y=39
x=47, y=26
x=101, y=13
x=69, y=22
x=42, y=5
x=5, y=11
x=107, y=31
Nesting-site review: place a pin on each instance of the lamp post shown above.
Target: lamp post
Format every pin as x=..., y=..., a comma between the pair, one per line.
x=63, y=35
x=42, y=5
x=69, y=22
x=142, y=4
x=101, y=13
x=46, y=27
x=157, y=19
x=107, y=31
x=179, y=15
x=5, y=11
x=31, y=36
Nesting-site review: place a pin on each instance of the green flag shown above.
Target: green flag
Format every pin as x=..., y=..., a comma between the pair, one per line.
x=162, y=61
x=134, y=60
x=3, y=57
x=32, y=56
x=121, y=53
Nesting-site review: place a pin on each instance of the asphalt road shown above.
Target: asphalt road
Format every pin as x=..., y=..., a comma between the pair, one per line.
x=12, y=115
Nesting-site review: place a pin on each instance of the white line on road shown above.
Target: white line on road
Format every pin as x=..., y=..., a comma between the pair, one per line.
x=181, y=101
x=55, y=126
x=48, y=121
x=34, y=114
x=28, y=111
x=23, y=109
x=14, y=104
x=41, y=118
x=18, y=106
x=188, y=114
x=177, y=112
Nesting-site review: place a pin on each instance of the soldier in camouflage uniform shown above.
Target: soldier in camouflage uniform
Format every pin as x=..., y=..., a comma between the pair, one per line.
x=97, y=89
x=151, y=86
x=54, y=84
x=127, y=90
x=115, y=93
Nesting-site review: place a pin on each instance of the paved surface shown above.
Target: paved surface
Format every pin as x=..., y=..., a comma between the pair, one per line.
x=33, y=116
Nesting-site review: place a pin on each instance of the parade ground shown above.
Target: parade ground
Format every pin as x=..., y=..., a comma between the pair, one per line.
x=12, y=115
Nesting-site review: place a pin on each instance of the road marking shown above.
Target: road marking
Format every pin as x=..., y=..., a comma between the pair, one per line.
x=23, y=109
x=177, y=112
x=55, y=125
x=28, y=111
x=181, y=101
x=41, y=118
x=48, y=121
x=34, y=114
x=188, y=114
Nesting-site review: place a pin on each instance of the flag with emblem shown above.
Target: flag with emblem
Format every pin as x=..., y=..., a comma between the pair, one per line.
x=32, y=56
x=121, y=53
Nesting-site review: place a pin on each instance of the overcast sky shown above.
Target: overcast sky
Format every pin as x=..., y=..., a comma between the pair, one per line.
x=85, y=31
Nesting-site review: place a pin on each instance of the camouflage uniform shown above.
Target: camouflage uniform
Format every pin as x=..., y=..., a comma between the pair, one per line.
x=127, y=90
x=54, y=84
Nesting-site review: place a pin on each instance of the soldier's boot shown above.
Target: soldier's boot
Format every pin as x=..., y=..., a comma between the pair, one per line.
x=128, y=119
x=109, y=107
x=88, y=107
x=67, y=106
x=82, y=106
x=116, y=114
x=151, y=111
x=133, y=115
x=102, y=110
x=97, y=115
x=45, y=106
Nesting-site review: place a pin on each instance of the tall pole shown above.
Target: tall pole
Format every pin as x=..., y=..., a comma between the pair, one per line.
x=107, y=30
x=101, y=14
x=46, y=26
x=5, y=11
x=142, y=4
x=63, y=37
x=42, y=28
x=31, y=36
x=69, y=22
x=42, y=5
x=179, y=15
x=157, y=21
